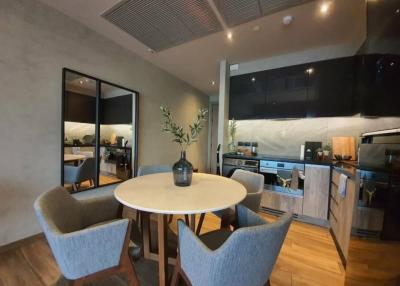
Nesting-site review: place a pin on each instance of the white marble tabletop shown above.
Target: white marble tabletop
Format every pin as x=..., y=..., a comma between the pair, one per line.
x=157, y=193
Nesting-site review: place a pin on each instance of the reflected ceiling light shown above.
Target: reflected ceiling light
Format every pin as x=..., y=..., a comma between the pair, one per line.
x=150, y=50
x=287, y=20
x=213, y=82
x=256, y=28
x=397, y=11
x=310, y=70
x=253, y=79
x=229, y=35
x=325, y=7
x=86, y=79
x=81, y=81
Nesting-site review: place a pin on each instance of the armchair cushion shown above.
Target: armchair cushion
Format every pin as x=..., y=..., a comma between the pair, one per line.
x=99, y=209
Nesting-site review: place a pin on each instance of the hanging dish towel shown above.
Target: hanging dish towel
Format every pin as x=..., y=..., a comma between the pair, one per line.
x=342, y=185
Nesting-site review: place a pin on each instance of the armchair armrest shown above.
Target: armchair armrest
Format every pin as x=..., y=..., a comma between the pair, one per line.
x=90, y=250
x=252, y=201
x=247, y=217
x=195, y=256
x=99, y=209
x=70, y=173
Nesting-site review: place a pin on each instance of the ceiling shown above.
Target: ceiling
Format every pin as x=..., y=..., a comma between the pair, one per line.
x=196, y=59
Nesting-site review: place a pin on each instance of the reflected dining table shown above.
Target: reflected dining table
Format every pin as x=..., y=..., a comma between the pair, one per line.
x=157, y=193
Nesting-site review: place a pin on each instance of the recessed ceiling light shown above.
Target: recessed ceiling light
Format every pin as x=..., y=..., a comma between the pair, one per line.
x=229, y=35
x=213, y=82
x=325, y=7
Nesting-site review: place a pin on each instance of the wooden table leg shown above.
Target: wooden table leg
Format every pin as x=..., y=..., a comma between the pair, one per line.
x=162, y=250
x=193, y=222
x=145, y=226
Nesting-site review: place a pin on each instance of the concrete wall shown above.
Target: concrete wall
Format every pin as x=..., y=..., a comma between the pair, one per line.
x=36, y=43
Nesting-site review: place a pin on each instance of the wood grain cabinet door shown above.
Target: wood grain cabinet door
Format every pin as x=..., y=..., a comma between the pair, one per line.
x=316, y=191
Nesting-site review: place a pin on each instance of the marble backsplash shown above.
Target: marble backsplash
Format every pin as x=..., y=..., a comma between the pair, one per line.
x=76, y=130
x=284, y=137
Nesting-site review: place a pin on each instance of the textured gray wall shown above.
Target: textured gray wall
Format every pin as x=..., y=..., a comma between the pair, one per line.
x=36, y=42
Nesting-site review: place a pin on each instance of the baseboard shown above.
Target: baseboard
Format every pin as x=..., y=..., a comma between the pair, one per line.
x=18, y=243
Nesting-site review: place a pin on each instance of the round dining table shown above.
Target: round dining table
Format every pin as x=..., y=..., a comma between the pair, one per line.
x=157, y=193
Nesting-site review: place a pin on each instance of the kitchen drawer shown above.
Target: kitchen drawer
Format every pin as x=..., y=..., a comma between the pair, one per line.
x=282, y=202
x=334, y=208
x=334, y=224
x=335, y=193
x=335, y=177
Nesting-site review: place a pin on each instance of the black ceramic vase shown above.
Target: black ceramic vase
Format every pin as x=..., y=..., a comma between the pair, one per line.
x=183, y=171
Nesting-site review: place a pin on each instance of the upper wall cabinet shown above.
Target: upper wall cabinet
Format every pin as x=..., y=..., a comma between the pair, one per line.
x=378, y=84
x=247, y=96
x=331, y=88
x=368, y=84
x=286, y=95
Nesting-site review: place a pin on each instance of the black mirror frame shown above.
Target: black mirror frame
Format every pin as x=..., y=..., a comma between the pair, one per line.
x=97, y=145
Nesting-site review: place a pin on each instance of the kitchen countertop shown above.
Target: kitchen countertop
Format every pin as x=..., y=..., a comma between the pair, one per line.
x=348, y=168
x=279, y=158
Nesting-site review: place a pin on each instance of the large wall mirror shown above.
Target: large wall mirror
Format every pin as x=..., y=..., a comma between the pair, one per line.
x=99, y=127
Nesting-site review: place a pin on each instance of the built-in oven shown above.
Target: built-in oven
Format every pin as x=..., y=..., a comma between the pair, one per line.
x=231, y=164
x=283, y=177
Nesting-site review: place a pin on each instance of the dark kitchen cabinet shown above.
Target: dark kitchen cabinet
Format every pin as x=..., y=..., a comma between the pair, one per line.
x=378, y=84
x=286, y=92
x=79, y=108
x=117, y=110
x=247, y=96
x=330, y=87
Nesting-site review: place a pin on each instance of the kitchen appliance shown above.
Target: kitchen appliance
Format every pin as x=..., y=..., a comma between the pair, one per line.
x=120, y=141
x=231, y=164
x=310, y=150
x=244, y=148
x=254, y=146
x=378, y=179
x=284, y=177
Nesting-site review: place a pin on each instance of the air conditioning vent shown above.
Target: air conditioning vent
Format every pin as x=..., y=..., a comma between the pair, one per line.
x=164, y=24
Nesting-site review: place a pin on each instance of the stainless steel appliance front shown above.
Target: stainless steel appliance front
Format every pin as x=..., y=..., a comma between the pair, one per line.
x=284, y=177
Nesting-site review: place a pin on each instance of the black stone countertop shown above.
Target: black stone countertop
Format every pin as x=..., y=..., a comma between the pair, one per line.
x=279, y=158
x=348, y=168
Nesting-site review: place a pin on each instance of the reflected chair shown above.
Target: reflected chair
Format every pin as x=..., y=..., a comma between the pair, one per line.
x=254, y=184
x=75, y=175
x=87, y=237
x=245, y=256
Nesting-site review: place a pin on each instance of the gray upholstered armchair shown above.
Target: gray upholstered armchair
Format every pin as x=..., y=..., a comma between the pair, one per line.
x=254, y=184
x=86, y=237
x=243, y=257
x=75, y=175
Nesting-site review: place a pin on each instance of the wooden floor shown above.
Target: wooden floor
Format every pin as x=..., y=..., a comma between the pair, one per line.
x=308, y=257
x=104, y=180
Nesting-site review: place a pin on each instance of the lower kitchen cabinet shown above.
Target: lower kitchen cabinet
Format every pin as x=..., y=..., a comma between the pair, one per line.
x=282, y=202
x=316, y=191
x=341, y=213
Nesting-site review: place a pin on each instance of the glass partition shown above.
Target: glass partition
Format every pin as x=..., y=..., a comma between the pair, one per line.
x=99, y=132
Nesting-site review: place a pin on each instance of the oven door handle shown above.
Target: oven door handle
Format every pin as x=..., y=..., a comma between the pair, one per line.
x=269, y=170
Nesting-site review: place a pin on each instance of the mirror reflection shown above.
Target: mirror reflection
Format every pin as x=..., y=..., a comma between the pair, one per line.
x=79, y=132
x=116, y=135
x=97, y=155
